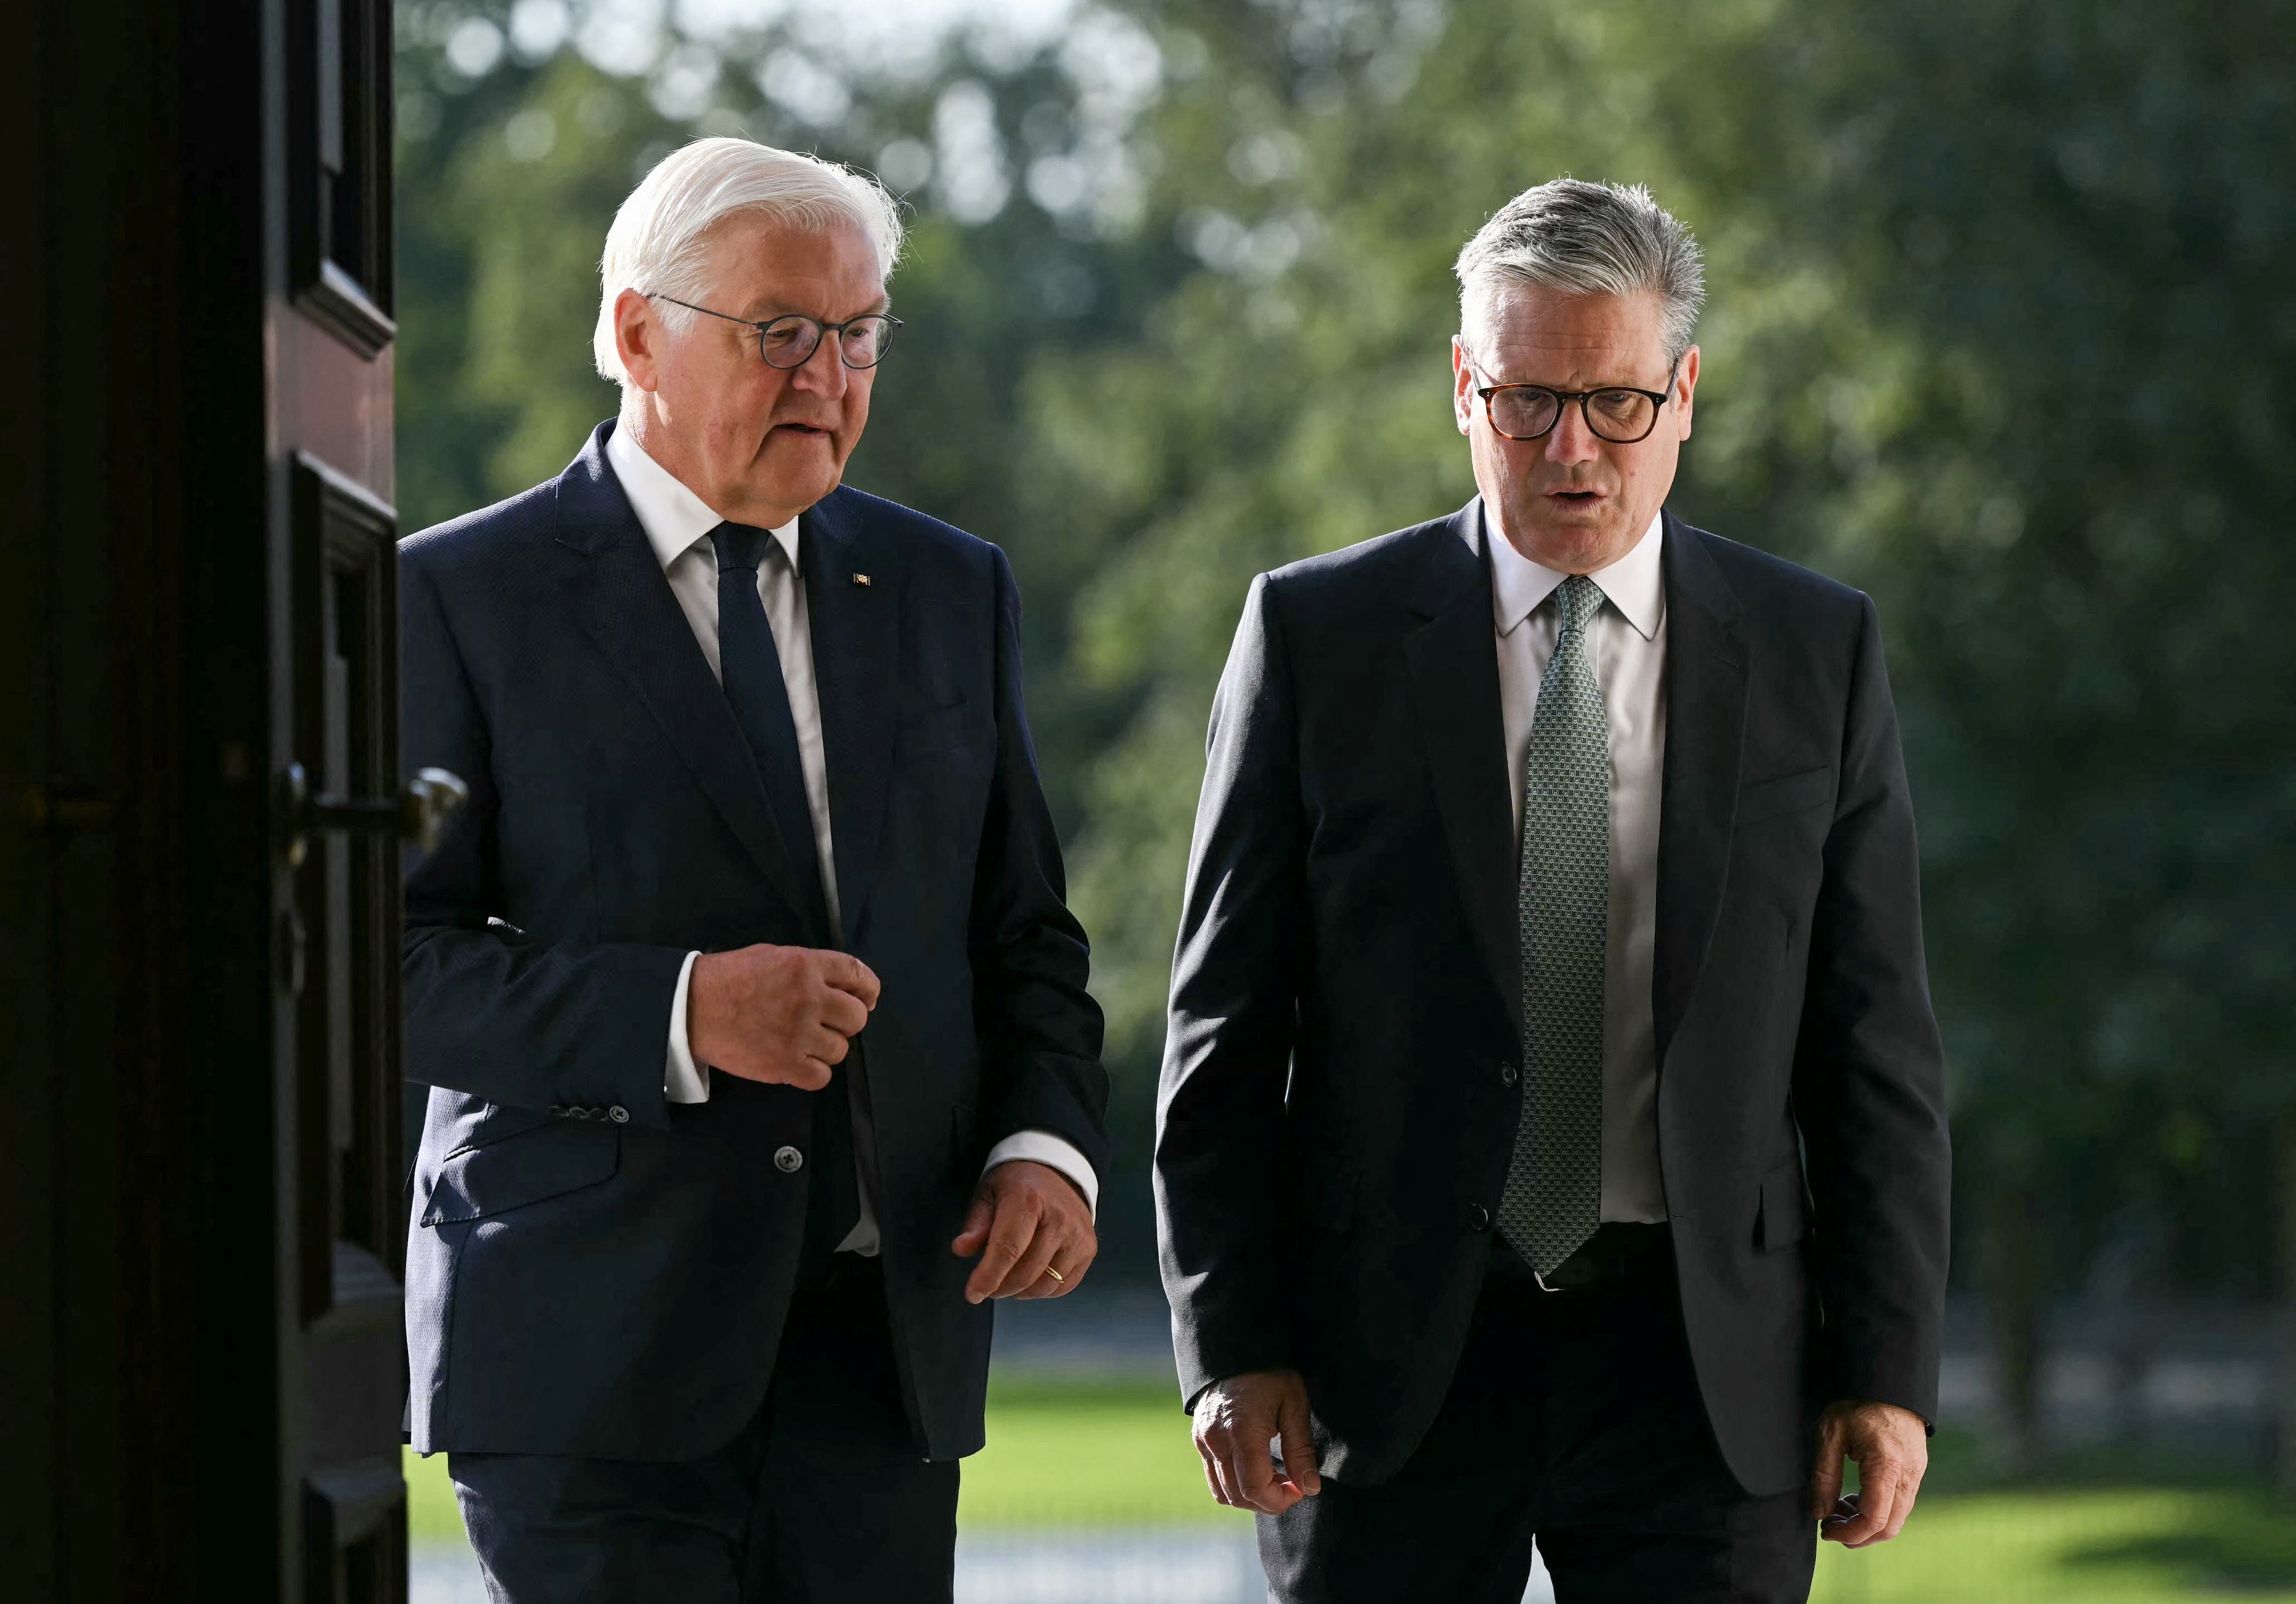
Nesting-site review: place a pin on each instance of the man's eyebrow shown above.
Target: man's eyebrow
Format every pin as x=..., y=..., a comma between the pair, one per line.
x=767, y=310
x=1495, y=381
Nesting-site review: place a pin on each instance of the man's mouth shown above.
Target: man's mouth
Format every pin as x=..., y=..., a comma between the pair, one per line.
x=1576, y=497
x=802, y=428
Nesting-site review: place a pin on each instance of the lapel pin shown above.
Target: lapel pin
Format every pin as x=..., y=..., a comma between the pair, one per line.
x=860, y=578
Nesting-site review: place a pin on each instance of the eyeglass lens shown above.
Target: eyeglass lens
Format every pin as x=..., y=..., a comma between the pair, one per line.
x=790, y=341
x=1622, y=416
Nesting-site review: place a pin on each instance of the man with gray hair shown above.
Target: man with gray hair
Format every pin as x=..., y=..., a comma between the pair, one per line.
x=1551, y=1141
x=745, y=986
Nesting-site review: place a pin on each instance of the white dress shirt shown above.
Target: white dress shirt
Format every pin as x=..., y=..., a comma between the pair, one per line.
x=677, y=524
x=1628, y=640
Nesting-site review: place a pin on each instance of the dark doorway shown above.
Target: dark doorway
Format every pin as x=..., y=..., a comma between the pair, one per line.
x=200, y=809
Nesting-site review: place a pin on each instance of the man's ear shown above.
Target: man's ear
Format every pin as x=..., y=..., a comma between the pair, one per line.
x=637, y=339
x=1685, y=385
x=1463, y=387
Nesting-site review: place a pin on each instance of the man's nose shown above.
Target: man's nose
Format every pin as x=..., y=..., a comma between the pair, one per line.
x=823, y=372
x=1570, y=441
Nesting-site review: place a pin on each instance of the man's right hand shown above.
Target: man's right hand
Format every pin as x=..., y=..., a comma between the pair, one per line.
x=780, y=1015
x=1235, y=1419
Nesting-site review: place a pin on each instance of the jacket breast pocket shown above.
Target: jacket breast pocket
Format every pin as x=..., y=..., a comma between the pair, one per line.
x=549, y=1161
x=933, y=727
x=1783, y=1215
x=1788, y=794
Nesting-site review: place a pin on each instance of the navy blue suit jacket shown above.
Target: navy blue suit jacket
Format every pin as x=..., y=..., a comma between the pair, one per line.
x=592, y=1269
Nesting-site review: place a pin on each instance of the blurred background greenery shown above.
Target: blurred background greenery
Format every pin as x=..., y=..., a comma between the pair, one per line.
x=2000, y=328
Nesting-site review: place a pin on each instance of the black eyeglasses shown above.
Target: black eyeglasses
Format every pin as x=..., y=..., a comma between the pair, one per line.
x=1617, y=412
x=790, y=340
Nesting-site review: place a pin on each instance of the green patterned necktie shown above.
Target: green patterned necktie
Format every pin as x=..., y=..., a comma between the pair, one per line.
x=1553, y=1194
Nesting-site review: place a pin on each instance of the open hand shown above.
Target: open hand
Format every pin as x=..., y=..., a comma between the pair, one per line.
x=782, y=1015
x=1892, y=1447
x=1236, y=1419
x=1033, y=1230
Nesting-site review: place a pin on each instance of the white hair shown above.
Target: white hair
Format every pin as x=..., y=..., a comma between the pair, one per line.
x=1584, y=239
x=659, y=242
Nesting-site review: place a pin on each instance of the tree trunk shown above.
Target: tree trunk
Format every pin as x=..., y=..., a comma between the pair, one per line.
x=2283, y=1177
x=2010, y=1268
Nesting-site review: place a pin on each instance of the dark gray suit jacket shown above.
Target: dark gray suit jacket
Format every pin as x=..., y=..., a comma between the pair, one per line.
x=1334, y=1125
x=591, y=1269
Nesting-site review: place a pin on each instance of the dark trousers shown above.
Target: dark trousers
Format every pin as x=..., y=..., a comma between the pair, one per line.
x=1573, y=1417
x=823, y=1496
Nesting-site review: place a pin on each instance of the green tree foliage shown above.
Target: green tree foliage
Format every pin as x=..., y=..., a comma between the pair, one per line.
x=2000, y=329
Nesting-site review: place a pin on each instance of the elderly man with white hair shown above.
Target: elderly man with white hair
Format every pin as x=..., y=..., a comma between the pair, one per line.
x=1551, y=1145
x=755, y=1023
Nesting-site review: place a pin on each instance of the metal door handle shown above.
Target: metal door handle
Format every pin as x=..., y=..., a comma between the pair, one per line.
x=418, y=813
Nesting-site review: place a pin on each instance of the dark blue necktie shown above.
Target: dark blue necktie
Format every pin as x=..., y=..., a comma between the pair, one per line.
x=752, y=669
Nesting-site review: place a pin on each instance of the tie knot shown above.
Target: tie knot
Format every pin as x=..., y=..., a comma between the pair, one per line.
x=739, y=546
x=1576, y=603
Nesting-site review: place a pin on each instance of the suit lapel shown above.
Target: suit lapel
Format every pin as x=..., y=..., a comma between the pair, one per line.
x=618, y=593
x=857, y=666
x=1705, y=730
x=1454, y=676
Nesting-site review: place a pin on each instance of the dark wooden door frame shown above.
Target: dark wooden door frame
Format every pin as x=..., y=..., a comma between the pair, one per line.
x=199, y=1375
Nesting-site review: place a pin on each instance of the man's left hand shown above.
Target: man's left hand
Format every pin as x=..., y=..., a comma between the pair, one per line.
x=1892, y=1447
x=1036, y=1230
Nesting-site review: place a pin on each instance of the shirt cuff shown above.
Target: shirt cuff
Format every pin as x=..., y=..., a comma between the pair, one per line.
x=1055, y=1152
x=682, y=1079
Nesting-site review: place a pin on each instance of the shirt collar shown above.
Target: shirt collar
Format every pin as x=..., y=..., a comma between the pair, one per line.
x=1635, y=584
x=672, y=516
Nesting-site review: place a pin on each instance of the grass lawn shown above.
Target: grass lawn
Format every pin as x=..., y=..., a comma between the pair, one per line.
x=1085, y=1455
x=432, y=1517
x=1057, y=1456
x=2070, y=1545
x=1120, y=1456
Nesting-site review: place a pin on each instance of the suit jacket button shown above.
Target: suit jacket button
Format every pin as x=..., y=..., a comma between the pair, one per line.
x=789, y=1161
x=1509, y=1074
x=619, y=1115
x=1479, y=1217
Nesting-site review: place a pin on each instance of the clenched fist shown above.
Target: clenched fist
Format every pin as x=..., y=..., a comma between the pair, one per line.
x=780, y=1015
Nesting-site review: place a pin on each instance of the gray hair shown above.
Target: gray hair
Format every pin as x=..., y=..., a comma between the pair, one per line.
x=1584, y=239
x=659, y=242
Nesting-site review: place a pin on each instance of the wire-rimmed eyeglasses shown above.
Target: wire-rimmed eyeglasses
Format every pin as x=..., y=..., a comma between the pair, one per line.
x=1617, y=412
x=790, y=340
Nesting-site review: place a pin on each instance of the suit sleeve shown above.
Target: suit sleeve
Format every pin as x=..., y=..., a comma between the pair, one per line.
x=1234, y=1009
x=1040, y=1029
x=517, y=1019
x=1869, y=1075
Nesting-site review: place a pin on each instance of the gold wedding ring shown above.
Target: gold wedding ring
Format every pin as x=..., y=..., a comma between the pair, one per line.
x=1056, y=1275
